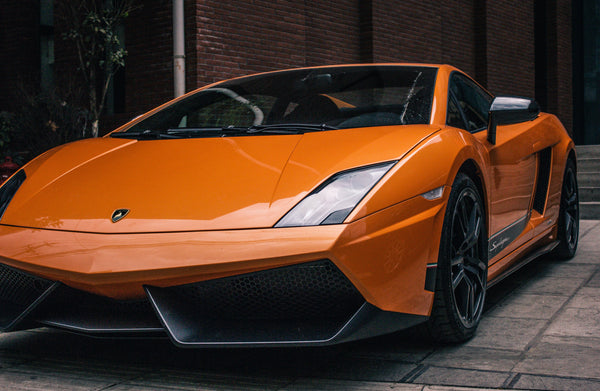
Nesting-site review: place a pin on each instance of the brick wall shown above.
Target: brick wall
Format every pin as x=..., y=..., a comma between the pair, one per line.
x=510, y=55
x=425, y=31
x=19, y=49
x=560, y=93
x=149, y=63
x=499, y=36
x=493, y=41
x=407, y=31
x=332, y=32
x=458, y=40
x=239, y=37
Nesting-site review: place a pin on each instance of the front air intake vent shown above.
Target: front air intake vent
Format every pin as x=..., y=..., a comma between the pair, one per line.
x=309, y=290
x=8, y=190
x=20, y=288
x=308, y=303
x=20, y=293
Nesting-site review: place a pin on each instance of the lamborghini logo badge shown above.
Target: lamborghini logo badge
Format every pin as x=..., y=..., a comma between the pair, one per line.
x=119, y=214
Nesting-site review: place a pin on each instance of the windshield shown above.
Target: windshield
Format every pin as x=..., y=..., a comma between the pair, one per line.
x=298, y=101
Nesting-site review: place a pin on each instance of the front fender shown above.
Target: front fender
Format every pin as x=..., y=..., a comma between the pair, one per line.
x=433, y=163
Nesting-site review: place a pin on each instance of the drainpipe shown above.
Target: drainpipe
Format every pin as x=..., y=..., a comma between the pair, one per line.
x=178, y=49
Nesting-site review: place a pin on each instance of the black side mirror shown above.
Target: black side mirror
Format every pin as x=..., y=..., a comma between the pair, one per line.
x=506, y=110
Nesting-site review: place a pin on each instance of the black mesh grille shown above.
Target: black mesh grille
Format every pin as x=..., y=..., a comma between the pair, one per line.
x=19, y=288
x=309, y=290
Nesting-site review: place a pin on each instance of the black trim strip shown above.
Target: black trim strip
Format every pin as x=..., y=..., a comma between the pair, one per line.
x=430, y=277
x=500, y=240
x=102, y=330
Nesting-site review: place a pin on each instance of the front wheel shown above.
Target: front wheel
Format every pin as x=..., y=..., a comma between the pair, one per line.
x=461, y=277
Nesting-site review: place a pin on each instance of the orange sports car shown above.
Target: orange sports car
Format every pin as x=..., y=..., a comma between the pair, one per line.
x=300, y=207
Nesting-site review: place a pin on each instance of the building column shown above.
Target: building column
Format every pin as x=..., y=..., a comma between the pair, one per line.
x=178, y=49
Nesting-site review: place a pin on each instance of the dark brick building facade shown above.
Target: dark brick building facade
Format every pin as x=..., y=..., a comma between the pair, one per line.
x=521, y=48
x=19, y=48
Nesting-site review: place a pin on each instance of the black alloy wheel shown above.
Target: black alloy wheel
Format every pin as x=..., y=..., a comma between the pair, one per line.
x=568, y=219
x=461, y=278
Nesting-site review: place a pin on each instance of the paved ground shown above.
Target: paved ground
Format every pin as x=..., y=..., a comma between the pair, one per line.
x=541, y=331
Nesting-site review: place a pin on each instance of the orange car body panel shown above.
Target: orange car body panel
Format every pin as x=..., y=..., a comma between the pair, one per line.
x=232, y=184
x=231, y=191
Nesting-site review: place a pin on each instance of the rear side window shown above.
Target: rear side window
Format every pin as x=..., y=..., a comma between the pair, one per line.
x=455, y=117
x=468, y=104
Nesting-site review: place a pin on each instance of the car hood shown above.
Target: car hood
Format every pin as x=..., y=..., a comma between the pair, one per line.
x=192, y=184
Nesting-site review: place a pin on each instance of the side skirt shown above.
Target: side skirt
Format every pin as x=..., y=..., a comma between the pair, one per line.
x=530, y=257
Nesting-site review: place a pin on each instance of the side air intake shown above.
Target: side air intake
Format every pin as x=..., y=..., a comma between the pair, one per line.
x=543, y=180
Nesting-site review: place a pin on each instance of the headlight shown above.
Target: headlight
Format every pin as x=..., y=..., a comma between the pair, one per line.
x=8, y=190
x=333, y=201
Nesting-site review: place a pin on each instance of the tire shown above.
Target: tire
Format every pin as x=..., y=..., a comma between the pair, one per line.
x=568, y=219
x=461, y=277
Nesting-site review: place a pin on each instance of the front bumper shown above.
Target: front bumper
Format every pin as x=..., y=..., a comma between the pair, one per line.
x=133, y=283
x=305, y=304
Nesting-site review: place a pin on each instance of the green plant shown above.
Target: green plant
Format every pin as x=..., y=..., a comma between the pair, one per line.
x=44, y=121
x=92, y=25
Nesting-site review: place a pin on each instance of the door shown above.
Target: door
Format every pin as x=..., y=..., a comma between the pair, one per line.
x=513, y=163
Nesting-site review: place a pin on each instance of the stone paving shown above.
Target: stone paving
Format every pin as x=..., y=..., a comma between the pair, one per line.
x=540, y=331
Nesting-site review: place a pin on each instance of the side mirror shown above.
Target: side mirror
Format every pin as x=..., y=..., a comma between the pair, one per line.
x=506, y=110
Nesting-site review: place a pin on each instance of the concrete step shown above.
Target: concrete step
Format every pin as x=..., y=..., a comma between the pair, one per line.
x=588, y=151
x=588, y=165
x=589, y=194
x=589, y=210
x=588, y=179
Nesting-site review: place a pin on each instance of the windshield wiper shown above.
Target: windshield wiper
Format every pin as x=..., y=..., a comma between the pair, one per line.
x=289, y=128
x=175, y=133
x=229, y=131
x=194, y=132
x=143, y=135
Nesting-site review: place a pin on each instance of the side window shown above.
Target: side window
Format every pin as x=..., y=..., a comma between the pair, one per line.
x=473, y=101
x=454, y=117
